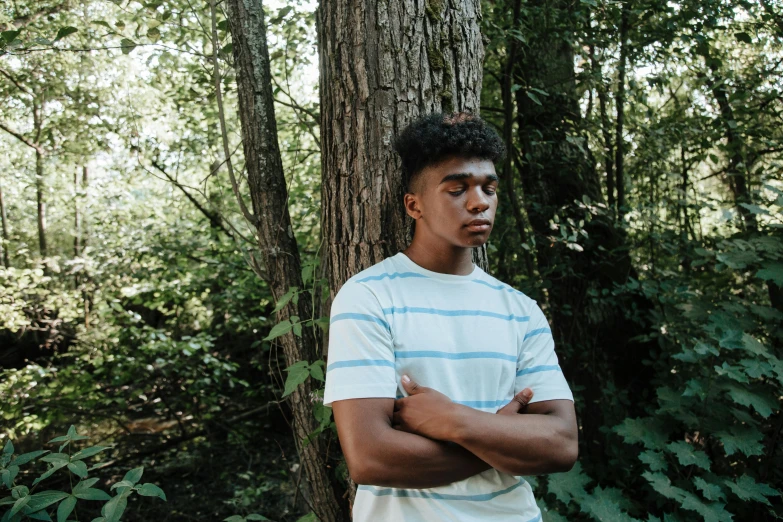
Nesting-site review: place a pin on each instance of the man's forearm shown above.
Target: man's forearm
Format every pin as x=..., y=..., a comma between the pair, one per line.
x=412, y=461
x=529, y=444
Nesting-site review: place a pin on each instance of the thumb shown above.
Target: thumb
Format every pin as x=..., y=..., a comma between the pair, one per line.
x=411, y=386
x=519, y=401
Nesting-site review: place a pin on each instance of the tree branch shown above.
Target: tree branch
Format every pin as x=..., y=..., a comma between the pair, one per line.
x=21, y=138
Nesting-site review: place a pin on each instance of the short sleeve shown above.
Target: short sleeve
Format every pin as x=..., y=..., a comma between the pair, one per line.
x=537, y=365
x=360, y=361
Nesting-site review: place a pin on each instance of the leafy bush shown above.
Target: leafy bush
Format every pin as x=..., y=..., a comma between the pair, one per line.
x=24, y=504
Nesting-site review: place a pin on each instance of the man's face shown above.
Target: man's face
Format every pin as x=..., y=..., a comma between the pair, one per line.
x=448, y=196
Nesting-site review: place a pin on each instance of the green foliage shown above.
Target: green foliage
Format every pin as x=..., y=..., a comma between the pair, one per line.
x=24, y=504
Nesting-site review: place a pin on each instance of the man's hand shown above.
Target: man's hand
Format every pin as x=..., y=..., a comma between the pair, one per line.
x=518, y=403
x=429, y=413
x=425, y=411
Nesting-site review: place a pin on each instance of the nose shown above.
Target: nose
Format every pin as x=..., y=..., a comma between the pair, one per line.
x=478, y=201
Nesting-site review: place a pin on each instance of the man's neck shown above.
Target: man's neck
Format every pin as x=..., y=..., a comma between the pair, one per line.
x=443, y=259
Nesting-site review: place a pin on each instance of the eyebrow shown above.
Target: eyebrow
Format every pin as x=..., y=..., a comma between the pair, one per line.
x=464, y=175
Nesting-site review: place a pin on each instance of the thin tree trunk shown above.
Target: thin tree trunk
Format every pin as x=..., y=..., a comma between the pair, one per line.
x=76, y=218
x=620, y=101
x=4, y=222
x=39, y=178
x=382, y=65
x=277, y=242
x=508, y=137
x=84, y=230
x=606, y=131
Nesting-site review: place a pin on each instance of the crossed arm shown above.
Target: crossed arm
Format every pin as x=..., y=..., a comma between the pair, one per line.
x=426, y=440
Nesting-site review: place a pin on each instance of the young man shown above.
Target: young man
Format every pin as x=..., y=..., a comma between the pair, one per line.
x=431, y=358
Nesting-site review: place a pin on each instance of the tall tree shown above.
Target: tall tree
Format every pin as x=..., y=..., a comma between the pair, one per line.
x=561, y=185
x=382, y=65
x=272, y=222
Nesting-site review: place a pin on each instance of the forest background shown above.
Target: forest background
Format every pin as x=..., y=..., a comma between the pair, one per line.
x=184, y=186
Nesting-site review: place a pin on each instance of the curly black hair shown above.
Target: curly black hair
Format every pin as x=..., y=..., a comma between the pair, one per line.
x=434, y=137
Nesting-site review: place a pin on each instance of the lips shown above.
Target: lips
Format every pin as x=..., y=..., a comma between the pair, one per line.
x=479, y=225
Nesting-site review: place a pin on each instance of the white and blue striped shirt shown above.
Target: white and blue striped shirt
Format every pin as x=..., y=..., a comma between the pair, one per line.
x=471, y=337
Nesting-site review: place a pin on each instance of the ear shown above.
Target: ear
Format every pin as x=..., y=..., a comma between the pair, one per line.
x=412, y=206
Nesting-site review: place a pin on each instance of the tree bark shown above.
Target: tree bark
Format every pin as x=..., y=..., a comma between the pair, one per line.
x=39, y=179
x=508, y=138
x=620, y=101
x=382, y=65
x=277, y=242
x=4, y=222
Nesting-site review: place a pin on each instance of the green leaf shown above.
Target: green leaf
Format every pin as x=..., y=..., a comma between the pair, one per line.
x=748, y=489
x=742, y=37
x=570, y=485
x=317, y=371
x=285, y=299
x=234, y=518
x=297, y=374
x=772, y=272
x=44, y=499
x=762, y=405
x=153, y=34
x=84, y=484
x=122, y=484
x=127, y=46
x=533, y=97
x=65, y=508
x=602, y=508
x=114, y=508
x=688, y=456
x=151, y=490
x=711, y=512
x=310, y=517
x=746, y=440
x=63, y=32
x=255, y=516
x=9, y=36
x=8, y=449
x=89, y=452
x=18, y=505
x=78, y=468
x=752, y=345
x=642, y=430
x=710, y=491
x=92, y=494
x=39, y=515
x=663, y=485
x=654, y=459
x=281, y=328
x=134, y=475
x=24, y=458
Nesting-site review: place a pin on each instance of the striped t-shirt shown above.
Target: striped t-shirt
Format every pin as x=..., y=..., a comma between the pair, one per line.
x=473, y=338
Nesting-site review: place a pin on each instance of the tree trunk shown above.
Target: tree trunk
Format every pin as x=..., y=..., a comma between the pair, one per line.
x=4, y=222
x=277, y=243
x=39, y=180
x=382, y=65
x=77, y=225
x=558, y=177
x=619, y=141
x=508, y=137
x=606, y=132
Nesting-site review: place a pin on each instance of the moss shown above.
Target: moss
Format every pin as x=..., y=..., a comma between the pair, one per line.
x=434, y=8
x=435, y=57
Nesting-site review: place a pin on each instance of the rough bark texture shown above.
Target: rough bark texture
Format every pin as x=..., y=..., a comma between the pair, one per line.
x=559, y=173
x=275, y=236
x=382, y=65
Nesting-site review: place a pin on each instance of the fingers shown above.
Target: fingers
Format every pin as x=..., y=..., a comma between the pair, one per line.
x=410, y=385
x=518, y=403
